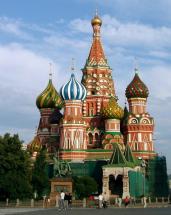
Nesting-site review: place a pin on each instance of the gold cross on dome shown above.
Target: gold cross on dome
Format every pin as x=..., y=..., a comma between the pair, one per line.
x=72, y=65
x=50, y=70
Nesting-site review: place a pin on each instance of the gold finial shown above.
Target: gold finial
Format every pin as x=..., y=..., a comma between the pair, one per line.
x=50, y=71
x=96, y=20
x=72, y=65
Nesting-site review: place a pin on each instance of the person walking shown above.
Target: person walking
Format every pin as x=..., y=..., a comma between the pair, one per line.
x=100, y=201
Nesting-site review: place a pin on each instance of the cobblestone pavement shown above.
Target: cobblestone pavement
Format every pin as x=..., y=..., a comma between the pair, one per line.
x=108, y=211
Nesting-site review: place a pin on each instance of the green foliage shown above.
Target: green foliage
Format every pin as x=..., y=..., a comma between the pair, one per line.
x=14, y=169
x=40, y=179
x=84, y=186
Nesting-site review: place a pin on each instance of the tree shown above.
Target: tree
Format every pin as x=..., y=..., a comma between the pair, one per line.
x=84, y=186
x=15, y=171
x=40, y=180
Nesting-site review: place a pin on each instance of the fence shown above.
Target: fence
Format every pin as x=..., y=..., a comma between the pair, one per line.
x=46, y=203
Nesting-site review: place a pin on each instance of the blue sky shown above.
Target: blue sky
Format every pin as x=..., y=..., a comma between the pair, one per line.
x=34, y=33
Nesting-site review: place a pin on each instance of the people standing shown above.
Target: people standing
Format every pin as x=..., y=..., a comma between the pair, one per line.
x=57, y=200
x=100, y=201
x=145, y=201
x=105, y=200
x=126, y=201
x=62, y=204
x=66, y=200
x=69, y=200
x=119, y=202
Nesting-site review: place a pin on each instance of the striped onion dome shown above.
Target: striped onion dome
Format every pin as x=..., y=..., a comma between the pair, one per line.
x=112, y=110
x=136, y=89
x=73, y=90
x=49, y=98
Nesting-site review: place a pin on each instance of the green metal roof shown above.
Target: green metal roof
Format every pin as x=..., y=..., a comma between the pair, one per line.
x=128, y=154
x=117, y=157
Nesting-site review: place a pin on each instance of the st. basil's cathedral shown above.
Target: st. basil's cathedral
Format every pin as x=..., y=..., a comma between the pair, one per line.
x=84, y=125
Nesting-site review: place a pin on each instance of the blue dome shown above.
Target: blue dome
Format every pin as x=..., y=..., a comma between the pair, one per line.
x=73, y=90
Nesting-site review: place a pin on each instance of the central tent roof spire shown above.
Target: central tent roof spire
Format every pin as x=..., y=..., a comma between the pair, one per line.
x=96, y=56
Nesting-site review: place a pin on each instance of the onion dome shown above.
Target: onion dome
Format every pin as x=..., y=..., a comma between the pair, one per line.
x=35, y=145
x=49, y=98
x=136, y=89
x=96, y=20
x=73, y=90
x=112, y=110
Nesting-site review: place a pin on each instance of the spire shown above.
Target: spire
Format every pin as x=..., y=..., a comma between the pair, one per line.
x=96, y=55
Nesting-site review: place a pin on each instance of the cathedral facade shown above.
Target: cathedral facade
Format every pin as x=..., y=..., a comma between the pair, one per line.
x=92, y=121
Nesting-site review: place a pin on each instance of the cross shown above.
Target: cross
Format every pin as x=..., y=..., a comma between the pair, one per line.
x=136, y=65
x=50, y=70
x=72, y=65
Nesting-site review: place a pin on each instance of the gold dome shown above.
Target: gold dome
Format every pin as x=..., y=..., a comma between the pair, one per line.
x=96, y=21
x=35, y=145
x=112, y=110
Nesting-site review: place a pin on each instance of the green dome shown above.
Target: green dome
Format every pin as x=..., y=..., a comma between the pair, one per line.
x=112, y=110
x=136, y=89
x=49, y=98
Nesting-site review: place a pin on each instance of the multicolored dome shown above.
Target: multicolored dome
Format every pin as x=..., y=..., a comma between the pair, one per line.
x=136, y=89
x=73, y=90
x=112, y=110
x=96, y=21
x=49, y=98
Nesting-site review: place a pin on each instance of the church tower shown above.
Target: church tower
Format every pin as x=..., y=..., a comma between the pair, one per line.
x=72, y=126
x=97, y=78
x=138, y=124
x=49, y=104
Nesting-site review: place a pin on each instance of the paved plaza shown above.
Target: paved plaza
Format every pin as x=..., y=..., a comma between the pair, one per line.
x=108, y=211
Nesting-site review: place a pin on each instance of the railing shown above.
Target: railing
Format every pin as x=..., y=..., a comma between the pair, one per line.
x=46, y=203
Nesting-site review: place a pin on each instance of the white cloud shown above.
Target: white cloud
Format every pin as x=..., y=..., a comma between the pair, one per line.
x=120, y=33
x=14, y=27
x=80, y=25
x=24, y=75
x=63, y=41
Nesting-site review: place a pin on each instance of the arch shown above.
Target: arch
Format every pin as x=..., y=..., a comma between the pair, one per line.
x=133, y=121
x=96, y=137
x=116, y=185
x=90, y=138
x=108, y=146
x=145, y=146
x=109, y=136
x=145, y=121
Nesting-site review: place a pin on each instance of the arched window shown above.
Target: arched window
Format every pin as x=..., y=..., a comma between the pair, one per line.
x=90, y=138
x=96, y=137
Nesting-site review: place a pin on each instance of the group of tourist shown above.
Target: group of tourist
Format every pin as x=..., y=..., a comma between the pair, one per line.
x=64, y=200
